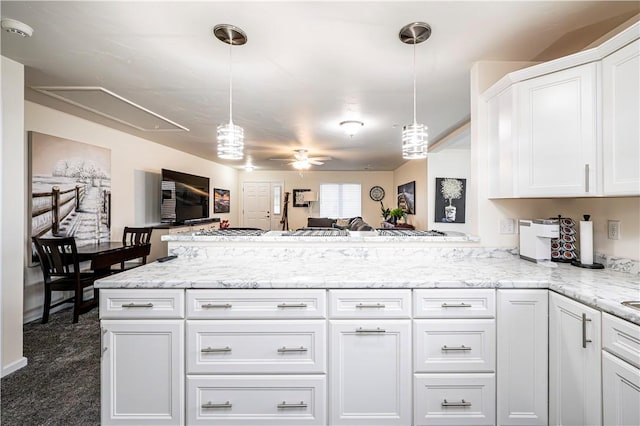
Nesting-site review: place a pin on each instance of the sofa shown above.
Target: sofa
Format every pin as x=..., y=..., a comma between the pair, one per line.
x=352, y=224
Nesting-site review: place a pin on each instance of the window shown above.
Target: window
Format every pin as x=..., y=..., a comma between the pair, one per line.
x=340, y=200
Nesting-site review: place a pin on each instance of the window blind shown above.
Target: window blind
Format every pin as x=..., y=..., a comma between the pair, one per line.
x=340, y=200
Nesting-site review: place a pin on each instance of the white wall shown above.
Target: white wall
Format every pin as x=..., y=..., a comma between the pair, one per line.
x=131, y=158
x=312, y=180
x=449, y=163
x=489, y=212
x=413, y=170
x=13, y=213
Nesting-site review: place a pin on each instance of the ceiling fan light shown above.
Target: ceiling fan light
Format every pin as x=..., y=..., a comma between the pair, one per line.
x=351, y=127
x=301, y=164
x=414, y=141
x=230, y=141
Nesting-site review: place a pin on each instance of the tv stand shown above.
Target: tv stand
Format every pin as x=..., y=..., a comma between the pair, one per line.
x=201, y=221
x=159, y=247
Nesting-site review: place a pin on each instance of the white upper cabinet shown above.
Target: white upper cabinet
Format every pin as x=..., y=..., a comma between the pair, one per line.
x=557, y=134
x=621, y=121
x=568, y=127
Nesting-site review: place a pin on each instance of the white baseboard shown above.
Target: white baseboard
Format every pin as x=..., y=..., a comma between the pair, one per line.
x=36, y=313
x=14, y=366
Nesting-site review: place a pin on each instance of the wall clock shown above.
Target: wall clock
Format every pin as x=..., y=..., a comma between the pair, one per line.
x=376, y=193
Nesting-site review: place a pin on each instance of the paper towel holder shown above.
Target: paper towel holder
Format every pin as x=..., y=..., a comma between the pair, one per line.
x=593, y=265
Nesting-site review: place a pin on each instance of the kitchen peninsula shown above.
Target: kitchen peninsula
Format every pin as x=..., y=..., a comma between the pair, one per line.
x=275, y=329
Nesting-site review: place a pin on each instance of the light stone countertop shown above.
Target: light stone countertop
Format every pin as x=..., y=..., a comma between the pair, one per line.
x=601, y=289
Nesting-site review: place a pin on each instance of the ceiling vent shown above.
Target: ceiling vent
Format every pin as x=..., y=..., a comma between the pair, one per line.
x=107, y=104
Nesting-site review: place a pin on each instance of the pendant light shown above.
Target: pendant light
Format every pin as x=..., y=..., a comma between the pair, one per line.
x=230, y=136
x=414, y=136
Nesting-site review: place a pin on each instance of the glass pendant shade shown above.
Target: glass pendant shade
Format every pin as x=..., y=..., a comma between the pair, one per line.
x=414, y=141
x=230, y=141
x=301, y=165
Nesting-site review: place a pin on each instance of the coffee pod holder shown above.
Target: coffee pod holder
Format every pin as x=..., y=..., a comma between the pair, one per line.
x=564, y=254
x=586, y=245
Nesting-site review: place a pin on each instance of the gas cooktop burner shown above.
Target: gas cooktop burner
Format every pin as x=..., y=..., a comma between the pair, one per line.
x=410, y=233
x=231, y=232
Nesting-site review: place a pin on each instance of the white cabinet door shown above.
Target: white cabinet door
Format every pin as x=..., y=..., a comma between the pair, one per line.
x=574, y=363
x=620, y=123
x=522, y=357
x=620, y=391
x=370, y=372
x=501, y=147
x=557, y=134
x=142, y=372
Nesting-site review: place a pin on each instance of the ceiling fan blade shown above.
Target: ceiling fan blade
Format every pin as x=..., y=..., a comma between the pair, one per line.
x=281, y=159
x=320, y=158
x=315, y=162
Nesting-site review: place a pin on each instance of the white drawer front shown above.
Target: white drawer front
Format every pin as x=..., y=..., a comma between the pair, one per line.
x=454, y=345
x=622, y=338
x=256, y=400
x=370, y=303
x=454, y=399
x=141, y=304
x=268, y=346
x=268, y=304
x=454, y=303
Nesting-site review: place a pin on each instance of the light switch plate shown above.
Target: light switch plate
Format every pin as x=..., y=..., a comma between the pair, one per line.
x=507, y=226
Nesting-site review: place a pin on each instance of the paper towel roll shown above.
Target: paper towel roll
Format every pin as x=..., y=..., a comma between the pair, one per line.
x=586, y=242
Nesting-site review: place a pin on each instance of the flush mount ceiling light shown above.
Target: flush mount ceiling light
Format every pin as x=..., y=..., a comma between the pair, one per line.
x=351, y=127
x=414, y=136
x=230, y=136
x=16, y=27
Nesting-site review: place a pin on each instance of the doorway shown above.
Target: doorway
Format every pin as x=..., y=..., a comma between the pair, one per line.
x=262, y=205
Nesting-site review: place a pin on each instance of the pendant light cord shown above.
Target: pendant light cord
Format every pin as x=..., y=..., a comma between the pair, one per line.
x=230, y=80
x=414, y=83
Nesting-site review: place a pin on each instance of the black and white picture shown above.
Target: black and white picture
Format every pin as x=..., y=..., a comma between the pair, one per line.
x=450, y=200
x=221, y=200
x=298, y=198
x=407, y=197
x=69, y=190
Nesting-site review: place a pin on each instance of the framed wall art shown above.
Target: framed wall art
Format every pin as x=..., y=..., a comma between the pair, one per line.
x=407, y=197
x=221, y=200
x=298, y=199
x=450, y=200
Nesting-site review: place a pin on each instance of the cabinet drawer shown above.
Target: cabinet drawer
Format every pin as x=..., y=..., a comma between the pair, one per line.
x=141, y=304
x=268, y=346
x=269, y=304
x=256, y=400
x=454, y=345
x=621, y=338
x=454, y=399
x=454, y=303
x=370, y=303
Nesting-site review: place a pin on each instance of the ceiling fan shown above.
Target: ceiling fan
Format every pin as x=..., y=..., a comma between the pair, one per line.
x=302, y=161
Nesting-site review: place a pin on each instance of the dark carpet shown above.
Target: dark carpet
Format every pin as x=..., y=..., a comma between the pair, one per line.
x=61, y=383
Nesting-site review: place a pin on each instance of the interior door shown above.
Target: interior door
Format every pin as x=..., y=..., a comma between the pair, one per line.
x=261, y=204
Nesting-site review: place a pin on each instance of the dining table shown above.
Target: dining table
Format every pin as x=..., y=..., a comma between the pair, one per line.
x=104, y=254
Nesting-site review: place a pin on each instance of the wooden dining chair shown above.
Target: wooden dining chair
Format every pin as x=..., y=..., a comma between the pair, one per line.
x=136, y=236
x=61, y=272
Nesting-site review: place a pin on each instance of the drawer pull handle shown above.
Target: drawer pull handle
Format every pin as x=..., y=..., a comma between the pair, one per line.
x=377, y=305
x=286, y=349
x=462, y=403
x=456, y=305
x=370, y=330
x=137, y=305
x=456, y=348
x=213, y=306
x=294, y=405
x=292, y=305
x=212, y=350
x=212, y=405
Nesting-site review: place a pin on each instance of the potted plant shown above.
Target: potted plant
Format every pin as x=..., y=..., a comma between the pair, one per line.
x=385, y=212
x=396, y=214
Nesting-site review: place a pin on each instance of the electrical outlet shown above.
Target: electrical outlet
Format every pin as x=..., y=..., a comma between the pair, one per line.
x=614, y=229
x=507, y=226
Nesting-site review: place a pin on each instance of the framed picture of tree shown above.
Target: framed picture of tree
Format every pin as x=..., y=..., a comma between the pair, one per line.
x=450, y=200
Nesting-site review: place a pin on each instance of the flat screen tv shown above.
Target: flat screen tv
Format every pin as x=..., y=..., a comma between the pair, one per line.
x=185, y=197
